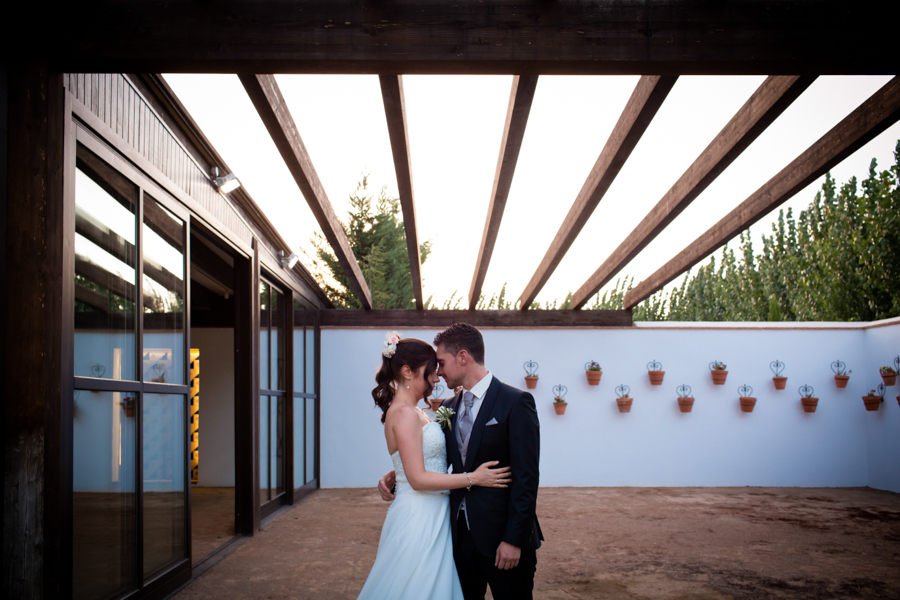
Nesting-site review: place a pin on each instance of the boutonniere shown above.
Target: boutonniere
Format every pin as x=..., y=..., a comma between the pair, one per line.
x=443, y=415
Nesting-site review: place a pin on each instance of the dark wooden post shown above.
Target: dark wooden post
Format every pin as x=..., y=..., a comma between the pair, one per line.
x=36, y=563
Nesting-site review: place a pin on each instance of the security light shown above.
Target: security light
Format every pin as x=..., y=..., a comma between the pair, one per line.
x=225, y=184
x=287, y=261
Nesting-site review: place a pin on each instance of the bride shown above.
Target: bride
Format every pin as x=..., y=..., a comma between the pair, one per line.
x=415, y=553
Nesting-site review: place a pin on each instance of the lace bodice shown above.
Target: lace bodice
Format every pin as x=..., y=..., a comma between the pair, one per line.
x=434, y=449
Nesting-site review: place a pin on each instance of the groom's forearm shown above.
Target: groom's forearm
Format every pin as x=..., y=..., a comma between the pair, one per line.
x=524, y=436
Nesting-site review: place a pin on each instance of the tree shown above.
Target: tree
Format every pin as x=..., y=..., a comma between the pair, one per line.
x=378, y=240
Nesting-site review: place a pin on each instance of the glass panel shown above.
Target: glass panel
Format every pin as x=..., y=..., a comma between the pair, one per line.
x=310, y=352
x=299, y=347
x=264, y=336
x=103, y=483
x=277, y=448
x=164, y=499
x=105, y=270
x=277, y=340
x=310, y=439
x=299, y=445
x=163, y=282
x=263, y=449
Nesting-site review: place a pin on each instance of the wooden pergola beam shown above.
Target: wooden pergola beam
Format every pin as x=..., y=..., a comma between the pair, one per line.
x=424, y=319
x=395, y=113
x=761, y=109
x=642, y=106
x=266, y=97
x=664, y=37
x=520, y=98
x=871, y=118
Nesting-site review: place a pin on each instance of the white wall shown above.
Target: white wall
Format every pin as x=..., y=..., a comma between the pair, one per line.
x=655, y=445
x=216, y=405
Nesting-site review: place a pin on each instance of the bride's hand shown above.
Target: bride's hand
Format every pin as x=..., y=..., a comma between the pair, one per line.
x=485, y=476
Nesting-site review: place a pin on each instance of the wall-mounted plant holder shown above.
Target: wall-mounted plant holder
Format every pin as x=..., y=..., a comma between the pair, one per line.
x=98, y=371
x=623, y=399
x=719, y=371
x=654, y=370
x=778, y=368
x=128, y=405
x=745, y=392
x=685, y=400
x=531, y=376
x=841, y=374
x=434, y=402
x=874, y=398
x=594, y=371
x=807, y=399
x=889, y=374
x=159, y=369
x=559, y=399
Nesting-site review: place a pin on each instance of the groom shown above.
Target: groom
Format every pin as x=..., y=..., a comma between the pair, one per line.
x=495, y=530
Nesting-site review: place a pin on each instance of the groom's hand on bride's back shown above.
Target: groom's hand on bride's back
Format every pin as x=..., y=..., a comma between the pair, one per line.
x=386, y=486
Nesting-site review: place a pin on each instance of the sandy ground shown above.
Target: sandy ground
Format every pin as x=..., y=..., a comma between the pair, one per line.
x=629, y=543
x=212, y=519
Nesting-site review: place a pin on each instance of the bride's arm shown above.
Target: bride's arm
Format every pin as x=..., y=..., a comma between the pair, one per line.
x=407, y=428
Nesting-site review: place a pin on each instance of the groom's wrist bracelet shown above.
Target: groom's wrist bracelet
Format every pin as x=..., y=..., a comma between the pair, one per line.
x=470, y=481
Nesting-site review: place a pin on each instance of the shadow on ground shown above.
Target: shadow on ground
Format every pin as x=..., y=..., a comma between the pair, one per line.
x=616, y=543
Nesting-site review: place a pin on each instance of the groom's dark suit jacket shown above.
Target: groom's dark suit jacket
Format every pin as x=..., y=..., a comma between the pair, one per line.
x=499, y=514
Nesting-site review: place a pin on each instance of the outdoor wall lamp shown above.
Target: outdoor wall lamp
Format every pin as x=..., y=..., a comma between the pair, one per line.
x=287, y=261
x=225, y=184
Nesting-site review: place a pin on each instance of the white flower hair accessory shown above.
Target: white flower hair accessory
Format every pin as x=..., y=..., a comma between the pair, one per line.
x=390, y=344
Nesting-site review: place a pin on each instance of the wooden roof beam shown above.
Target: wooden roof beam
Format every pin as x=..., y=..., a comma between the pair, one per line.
x=395, y=113
x=266, y=97
x=642, y=106
x=761, y=109
x=871, y=118
x=520, y=98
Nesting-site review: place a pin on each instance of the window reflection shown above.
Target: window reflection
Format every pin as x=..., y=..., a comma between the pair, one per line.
x=310, y=439
x=299, y=443
x=103, y=519
x=105, y=270
x=263, y=449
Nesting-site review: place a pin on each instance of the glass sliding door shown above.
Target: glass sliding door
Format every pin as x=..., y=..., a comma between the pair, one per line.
x=272, y=396
x=305, y=396
x=129, y=500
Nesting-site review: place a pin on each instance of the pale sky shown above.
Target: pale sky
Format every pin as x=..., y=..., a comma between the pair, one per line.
x=455, y=124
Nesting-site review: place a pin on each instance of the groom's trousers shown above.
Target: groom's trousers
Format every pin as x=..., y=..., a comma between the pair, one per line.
x=477, y=571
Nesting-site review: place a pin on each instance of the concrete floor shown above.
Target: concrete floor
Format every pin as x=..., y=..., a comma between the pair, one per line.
x=212, y=519
x=628, y=543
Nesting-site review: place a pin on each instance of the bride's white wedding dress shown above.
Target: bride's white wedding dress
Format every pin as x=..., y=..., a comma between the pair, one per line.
x=415, y=553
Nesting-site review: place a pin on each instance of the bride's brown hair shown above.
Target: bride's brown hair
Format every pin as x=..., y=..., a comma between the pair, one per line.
x=410, y=352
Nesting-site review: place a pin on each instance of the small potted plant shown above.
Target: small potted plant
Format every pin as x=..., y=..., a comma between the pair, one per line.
x=559, y=402
x=685, y=400
x=719, y=371
x=128, y=405
x=889, y=375
x=654, y=370
x=778, y=368
x=807, y=400
x=874, y=398
x=841, y=374
x=531, y=376
x=593, y=371
x=435, y=401
x=747, y=400
x=623, y=400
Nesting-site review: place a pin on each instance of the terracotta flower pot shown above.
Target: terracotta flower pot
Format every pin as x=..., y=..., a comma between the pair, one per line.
x=841, y=380
x=624, y=404
x=435, y=403
x=872, y=402
x=129, y=410
x=747, y=403
x=889, y=378
x=560, y=407
x=656, y=377
x=531, y=381
x=780, y=382
x=718, y=377
x=685, y=404
x=809, y=404
x=593, y=377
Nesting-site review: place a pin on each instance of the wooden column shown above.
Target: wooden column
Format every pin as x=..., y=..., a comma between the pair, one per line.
x=36, y=563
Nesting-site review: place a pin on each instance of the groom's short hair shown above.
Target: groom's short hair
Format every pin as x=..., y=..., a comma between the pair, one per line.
x=462, y=336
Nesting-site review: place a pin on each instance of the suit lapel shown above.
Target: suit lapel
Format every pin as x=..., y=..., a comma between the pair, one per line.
x=484, y=414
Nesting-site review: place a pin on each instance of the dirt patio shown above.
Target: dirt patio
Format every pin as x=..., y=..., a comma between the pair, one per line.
x=630, y=543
